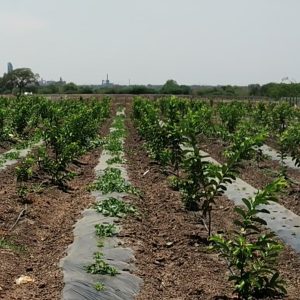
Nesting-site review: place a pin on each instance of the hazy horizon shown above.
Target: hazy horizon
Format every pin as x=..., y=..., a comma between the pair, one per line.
x=199, y=42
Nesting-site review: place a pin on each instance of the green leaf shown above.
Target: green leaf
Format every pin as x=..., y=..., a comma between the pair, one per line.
x=240, y=211
x=259, y=220
x=247, y=203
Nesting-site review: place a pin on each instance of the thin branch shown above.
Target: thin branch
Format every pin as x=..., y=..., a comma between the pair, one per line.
x=204, y=223
x=19, y=217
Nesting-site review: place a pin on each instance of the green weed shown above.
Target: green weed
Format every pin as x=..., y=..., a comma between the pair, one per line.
x=112, y=181
x=12, y=155
x=114, y=208
x=8, y=245
x=101, y=267
x=99, y=286
x=115, y=160
x=105, y=230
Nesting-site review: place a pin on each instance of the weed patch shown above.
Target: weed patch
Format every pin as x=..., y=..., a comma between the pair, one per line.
x=101, y=267
x=99, y=286
x=11, y=155
x=115, y=160
x=113, y=207
x=8, y=245
x=112, y=181
x=105, y=230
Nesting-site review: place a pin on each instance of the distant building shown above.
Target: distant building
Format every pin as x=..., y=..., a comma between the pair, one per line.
x=49, y=82
x=9, y=67
x=106, y=82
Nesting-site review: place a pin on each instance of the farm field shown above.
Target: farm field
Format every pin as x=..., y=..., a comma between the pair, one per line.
x=172, y=208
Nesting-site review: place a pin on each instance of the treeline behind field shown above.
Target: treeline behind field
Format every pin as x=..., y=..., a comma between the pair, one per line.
x=270, y=90
x=275, y=90
x=170, y=87
x=24, y=80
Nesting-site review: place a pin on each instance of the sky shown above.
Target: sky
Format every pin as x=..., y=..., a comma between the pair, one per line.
x=207, y=42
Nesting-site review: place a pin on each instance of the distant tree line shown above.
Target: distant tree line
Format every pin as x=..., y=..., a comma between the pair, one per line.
x=24, y=80
x=170, y=87
x=226, y=90
x=275, y=90
x=271, y=90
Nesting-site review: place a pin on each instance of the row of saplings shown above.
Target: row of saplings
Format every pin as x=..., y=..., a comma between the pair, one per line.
x=19, y=123
x=111, y=181
x=19, y=118
x=279, y=122
x=68, y=129
x=172, y=130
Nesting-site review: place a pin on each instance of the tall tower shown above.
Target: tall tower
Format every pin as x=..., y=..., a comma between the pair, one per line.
x=107, y=81
x=9, y=67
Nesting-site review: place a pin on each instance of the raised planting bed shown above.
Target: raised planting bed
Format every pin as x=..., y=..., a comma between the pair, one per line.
x=97, y=266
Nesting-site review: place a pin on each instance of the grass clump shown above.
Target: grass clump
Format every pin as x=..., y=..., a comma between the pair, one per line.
x=8, y=245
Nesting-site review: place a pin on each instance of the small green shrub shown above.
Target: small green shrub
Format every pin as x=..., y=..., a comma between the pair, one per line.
x=290, y=143
x=118, y=122
x=99, y=286
x=25, y=170
x=251, y=256
x=174, y=182
x=101, y=267
x=22, y=192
